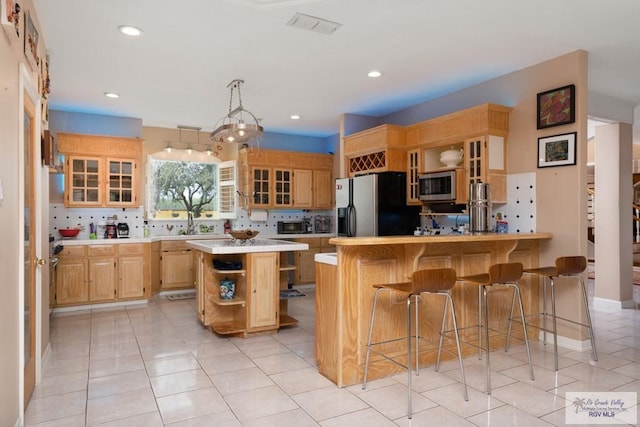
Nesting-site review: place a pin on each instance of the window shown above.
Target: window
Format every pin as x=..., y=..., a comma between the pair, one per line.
x=177, y=183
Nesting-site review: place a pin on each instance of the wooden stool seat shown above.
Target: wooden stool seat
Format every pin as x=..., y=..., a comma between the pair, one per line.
x=434, y=281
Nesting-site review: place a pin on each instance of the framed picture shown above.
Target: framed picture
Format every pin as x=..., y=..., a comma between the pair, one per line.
x=31, y=37
x=7, y=7
x=557, y=150
x=47, y=152
x=557, y=107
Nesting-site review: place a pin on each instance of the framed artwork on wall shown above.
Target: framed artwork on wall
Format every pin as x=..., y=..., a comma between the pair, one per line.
x=31, y=38
x=557, y=150
x=10, y=17
x=557, y=107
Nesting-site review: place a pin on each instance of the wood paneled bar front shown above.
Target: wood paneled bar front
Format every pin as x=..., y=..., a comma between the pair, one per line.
x=344, y=294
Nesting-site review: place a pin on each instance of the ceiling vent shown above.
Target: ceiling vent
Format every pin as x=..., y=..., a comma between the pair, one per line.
x=311, y=23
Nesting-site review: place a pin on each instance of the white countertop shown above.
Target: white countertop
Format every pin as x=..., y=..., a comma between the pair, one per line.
x=326, y=258
x=76, y=242
x=228, y=246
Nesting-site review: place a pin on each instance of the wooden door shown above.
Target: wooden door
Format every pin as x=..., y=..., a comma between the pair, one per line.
x=323, y=189
x=262, y=277
x=282, y=188
x=121, y=183
x=83, y=181
x=102, y=279
x=260, y=185
x=71, y=281
x=302, y=188
x=177, y=269
x=131, y=277
x=414, y=166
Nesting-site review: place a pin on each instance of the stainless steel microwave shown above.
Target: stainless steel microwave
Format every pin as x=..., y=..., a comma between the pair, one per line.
x=291, y=227
x=439, y=186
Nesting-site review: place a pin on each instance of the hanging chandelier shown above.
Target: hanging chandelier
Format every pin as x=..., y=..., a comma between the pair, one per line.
x=232, y=128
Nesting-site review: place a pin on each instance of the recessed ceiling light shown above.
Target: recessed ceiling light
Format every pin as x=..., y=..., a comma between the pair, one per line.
x=374, y=74
x=295, y=117
x=130, y=30
x=111, y=95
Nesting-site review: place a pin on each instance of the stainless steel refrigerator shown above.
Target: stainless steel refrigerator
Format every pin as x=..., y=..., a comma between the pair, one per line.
x=374, y=205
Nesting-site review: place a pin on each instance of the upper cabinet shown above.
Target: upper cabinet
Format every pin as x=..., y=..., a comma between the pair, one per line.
x=378, y=149
x=274, y=179
x=480, y=132
x=101, y=170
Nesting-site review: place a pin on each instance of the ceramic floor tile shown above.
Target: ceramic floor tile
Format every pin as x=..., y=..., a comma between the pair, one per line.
x=372, y=385
x=529, y=399
x=282, y=362
x=301, y=380
x=118, y=406
x=272, y=400
x=118, y=383
x=296, y=417
x=151, y=419
x=262, y=348
x=392, y=401
x=364, y=418
x=632, y=354
x=476, y=376
x=240, y=380
x=452, y=397
x=224, y=418
x=226, y=363
x=169, y=365
x=507, y=416
x=112, y=338
x=116, y=365
x=545, y=379
x=427, y=380
x=66, y=366
x=73, y=421
x=601, y=379
x=293, y=335
x=630, y=370
x=329, y=402
x=55, y=407
x=437, y=416
x=60, y=384
x=163, y=350
x=180, y=382
x=191, y=404
x=109, y=351
x=217, y=348
x=605, y=361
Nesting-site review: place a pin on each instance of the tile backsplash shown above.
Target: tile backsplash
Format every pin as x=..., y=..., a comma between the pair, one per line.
x=63, y=217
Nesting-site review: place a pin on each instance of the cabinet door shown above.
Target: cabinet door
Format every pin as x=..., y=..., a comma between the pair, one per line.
x=102, y=279
x=71, y=281
x=323, y=189
x=177, y=270
x=121, y=183
x=260, y=181
x=83, y=186
x=263, y=298
x=282, y=187
x=306, y=266
x=475, y=163
x=302, y=188
x=414, y=161
x=198, y=270
x=131, y=280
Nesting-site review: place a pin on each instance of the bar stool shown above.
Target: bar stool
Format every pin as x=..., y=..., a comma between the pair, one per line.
x=506, y=274
x=567, y=266
x=434, y=281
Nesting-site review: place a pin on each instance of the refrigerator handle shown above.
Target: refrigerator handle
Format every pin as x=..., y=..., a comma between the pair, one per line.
x=351, y=221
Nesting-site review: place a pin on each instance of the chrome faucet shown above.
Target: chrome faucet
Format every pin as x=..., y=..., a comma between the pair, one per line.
x=191, y=229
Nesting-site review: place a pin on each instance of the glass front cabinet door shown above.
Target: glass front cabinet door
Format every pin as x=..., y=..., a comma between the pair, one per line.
x=83, y=181
x=121, y=183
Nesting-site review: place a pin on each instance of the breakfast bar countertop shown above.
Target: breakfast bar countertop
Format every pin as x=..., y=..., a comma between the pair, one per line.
x=230, y=246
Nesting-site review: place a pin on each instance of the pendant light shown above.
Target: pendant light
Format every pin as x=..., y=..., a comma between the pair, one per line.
x=232, y=128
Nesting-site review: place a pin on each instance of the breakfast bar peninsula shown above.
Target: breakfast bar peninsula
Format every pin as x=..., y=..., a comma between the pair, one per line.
x=344, y=293
x=252, y=272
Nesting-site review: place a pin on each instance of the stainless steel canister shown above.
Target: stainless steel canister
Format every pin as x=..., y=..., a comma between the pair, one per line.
x=479, y=207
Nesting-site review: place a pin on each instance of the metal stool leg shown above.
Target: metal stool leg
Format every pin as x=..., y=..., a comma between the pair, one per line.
x=455, y=330
x=444, y=314
x=373, y=316
x=480, y=321
x=486, y=332
x=586, y=308
x=544, y=310
x=554, y=321
x=513, y=301
x=409, y=353
x=516, y=289
x=417, y=336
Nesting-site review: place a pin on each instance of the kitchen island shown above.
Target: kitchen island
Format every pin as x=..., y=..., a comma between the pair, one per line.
x=258, y=270
x=344, y=293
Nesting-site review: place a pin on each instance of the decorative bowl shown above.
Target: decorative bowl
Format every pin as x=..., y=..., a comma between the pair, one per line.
x=69, y=232
x=451, y=157
x=244, y=234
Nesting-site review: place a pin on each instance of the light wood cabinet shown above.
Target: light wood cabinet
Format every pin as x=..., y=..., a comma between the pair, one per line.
x=72, y=277
x=133, y=271
x=100, y=170
x=304, y=261
x=256, y=306
x=414, y=168
x=379, y=149
x=176, y=266
x=102, y=279
x=285, y=179
x=486, y=162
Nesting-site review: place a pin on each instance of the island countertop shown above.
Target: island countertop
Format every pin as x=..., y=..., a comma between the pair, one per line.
x=442, y=238
x=229, y=246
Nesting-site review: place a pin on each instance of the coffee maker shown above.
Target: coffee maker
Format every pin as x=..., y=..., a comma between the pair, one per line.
x=123, y=230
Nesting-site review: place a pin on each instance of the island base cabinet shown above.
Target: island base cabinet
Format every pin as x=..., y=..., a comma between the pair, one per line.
x=256, y=306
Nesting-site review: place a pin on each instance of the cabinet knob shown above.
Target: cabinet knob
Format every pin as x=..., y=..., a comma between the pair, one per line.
x=41, y=261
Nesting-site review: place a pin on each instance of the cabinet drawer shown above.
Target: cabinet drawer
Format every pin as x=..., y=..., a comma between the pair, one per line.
x=73, y=251
x=173, y=245
x=102, y=250
x=313, y=242
x=131, y=249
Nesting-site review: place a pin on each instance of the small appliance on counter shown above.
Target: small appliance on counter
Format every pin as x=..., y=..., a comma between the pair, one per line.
x=111, y=231
x=123, y=230
x=322, y=224
x=292, y=227
x=308, y=228
x=479, y=207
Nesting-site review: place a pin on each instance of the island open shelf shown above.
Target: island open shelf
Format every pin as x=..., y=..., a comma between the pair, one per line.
x=262, y=273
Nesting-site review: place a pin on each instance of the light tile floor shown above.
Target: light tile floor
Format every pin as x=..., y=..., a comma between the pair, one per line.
x=154, y=365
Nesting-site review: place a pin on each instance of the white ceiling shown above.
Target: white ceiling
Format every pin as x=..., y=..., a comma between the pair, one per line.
x=177, y=72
